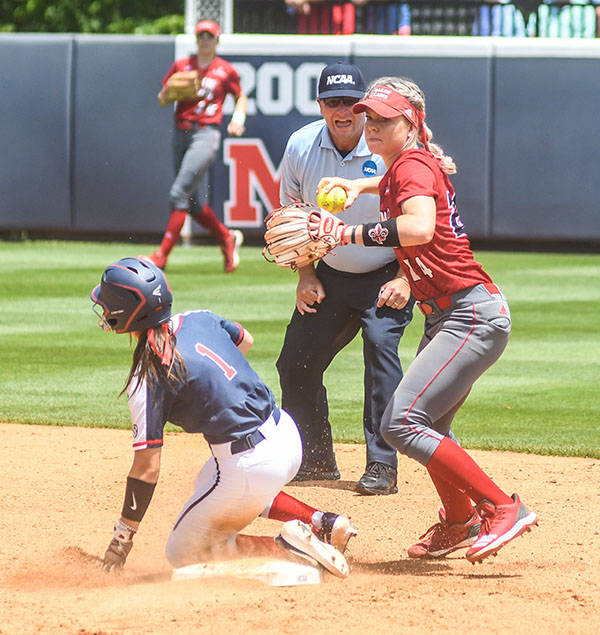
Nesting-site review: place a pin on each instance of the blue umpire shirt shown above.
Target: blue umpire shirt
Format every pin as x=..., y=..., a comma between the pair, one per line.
x=223, y=397
x=310, y=154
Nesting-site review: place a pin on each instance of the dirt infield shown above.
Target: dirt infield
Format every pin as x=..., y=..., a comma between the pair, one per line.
x=62, y=488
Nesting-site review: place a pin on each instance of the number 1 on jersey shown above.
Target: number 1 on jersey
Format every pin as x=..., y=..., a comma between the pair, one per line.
x=229, y=371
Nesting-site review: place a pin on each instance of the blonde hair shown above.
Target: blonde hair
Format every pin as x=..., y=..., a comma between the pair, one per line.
x=409, y=89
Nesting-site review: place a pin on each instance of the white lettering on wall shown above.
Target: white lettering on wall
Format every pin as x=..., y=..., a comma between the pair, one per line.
x=275, y=88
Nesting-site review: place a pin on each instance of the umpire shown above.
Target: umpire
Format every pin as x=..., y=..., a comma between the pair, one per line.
x=339, y=297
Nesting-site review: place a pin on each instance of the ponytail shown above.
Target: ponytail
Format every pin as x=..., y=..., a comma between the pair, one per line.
x=156, y=359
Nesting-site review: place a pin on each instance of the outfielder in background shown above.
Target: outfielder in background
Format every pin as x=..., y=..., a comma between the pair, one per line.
x=467, y=319
x=340, y=297
x=190, y=369
x=199, y=84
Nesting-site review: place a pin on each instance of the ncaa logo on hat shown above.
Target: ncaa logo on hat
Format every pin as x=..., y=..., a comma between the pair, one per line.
x=333, y=80
x=369, y=168
x=341, y=80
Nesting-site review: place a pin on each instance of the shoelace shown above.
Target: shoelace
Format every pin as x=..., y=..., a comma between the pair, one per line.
x=437, y=527
x=377, y=469
x=487, y=515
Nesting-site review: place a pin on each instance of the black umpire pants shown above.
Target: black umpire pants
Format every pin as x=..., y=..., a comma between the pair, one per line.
x=312, y=341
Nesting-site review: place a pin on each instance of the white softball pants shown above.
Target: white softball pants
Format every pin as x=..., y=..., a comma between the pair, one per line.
x=231, y=491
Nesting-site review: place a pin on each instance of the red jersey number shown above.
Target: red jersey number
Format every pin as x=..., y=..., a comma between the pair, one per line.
x=229, y=371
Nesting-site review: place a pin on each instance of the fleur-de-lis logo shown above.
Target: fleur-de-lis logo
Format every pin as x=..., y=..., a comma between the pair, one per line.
x=378, y=234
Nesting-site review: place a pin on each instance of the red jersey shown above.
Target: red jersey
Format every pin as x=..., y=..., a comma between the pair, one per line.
x=445, y=264
x=218, y=80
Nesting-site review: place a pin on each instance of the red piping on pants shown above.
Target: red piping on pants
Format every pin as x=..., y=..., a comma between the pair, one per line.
x=439, y=371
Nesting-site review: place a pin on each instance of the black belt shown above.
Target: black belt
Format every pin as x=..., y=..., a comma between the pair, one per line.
x=253, y=438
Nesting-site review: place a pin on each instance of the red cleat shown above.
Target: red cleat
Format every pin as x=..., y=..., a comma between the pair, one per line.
x=157, y=258
x=500, y=524
x=444, y=538
x=231, y=250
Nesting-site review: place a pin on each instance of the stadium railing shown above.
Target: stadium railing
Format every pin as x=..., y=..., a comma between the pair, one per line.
x=500, y=18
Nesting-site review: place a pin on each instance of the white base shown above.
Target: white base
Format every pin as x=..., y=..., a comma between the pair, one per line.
x=270, y=571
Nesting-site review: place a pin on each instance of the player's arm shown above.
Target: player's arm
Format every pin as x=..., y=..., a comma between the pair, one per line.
x=415, y=226
x=237, y=125
x=246, y=342
x=141, y=481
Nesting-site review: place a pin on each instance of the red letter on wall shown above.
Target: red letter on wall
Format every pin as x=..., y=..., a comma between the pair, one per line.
x=251, y=172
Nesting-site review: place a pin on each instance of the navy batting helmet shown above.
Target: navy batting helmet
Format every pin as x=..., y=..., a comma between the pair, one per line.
x=134, y=295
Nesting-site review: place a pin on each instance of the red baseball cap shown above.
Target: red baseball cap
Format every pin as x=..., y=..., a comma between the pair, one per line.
x=208, y=25
x=389, y=103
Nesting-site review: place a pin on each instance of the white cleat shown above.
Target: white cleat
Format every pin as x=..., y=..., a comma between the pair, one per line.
x=337, y=530
x=298, y=537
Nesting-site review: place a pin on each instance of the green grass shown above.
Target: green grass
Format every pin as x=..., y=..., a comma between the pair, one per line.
x=58, y=368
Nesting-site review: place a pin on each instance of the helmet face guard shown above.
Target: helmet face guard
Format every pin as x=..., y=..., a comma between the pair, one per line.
x=134, y=296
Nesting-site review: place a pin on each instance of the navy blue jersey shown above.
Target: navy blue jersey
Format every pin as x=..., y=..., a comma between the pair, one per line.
x=223, y=397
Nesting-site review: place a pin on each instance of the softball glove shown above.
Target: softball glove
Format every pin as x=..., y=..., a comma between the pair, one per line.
x=300, y=233
x=183, y=85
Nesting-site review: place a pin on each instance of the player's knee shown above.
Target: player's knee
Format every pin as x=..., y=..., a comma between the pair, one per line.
x=182, y=551
x=176, y=555
x=390, y=429
x=402, y=427
x=178, y=199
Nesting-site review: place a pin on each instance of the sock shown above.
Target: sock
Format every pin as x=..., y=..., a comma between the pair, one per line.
x=457, y=504
x=452, y=464
x=207, y=218
x=173, y=230
x=285, y=507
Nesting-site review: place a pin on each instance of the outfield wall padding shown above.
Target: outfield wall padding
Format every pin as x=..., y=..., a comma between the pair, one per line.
x=85, y=147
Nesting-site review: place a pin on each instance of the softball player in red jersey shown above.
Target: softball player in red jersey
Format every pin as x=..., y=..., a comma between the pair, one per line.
x=467, y=320
x=196, y=141
x=191, y=369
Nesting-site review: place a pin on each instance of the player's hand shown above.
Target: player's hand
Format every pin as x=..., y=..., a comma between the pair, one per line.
x=327, y=183
x=309, y=291
x=395, y=293
x=235, y=129
x=119, y=547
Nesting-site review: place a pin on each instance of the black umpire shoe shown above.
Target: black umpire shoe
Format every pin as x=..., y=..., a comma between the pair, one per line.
x=378, y=478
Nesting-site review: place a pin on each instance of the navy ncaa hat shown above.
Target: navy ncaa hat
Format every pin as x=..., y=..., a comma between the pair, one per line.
x=341, y=80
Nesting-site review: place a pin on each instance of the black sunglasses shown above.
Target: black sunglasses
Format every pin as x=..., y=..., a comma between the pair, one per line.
x=205, y=35
x=334, y=102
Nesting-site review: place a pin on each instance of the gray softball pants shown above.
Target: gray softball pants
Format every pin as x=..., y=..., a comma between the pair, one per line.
x=458, y=345
x=194, y=152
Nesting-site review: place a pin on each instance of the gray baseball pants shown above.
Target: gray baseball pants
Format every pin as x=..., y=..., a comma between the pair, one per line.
x=458, y=345
x=194, y=152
